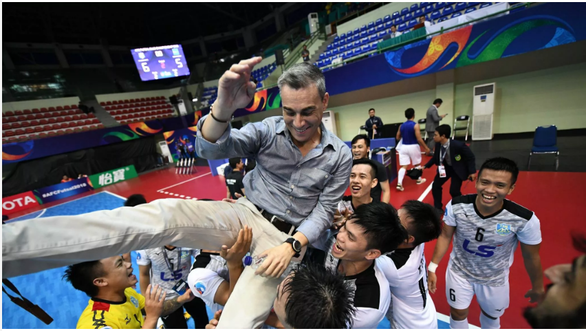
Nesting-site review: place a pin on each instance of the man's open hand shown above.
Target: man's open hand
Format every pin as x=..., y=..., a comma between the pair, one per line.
x=235, y=254
x=235, y=90
x=276, y=260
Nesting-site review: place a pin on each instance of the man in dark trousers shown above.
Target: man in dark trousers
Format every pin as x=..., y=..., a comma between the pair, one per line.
x=373, y=123
x=234, y=186
x=432, y=121
x=453, y=160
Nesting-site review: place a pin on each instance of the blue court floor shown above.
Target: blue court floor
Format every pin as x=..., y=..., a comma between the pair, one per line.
x=57, y=297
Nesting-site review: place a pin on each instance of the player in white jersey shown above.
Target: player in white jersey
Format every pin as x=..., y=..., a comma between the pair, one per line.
x=168, y=267
x=487, y=228
x=404, y=268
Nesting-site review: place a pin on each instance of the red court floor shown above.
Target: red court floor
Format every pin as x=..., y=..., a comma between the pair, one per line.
x=555, y=197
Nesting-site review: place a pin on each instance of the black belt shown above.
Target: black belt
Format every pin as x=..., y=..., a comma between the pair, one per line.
x=278, y=222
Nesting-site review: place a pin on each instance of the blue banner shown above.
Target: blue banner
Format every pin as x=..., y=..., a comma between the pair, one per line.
x=63, y=190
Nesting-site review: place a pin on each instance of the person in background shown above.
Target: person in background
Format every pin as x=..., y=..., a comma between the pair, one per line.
x=374, y=125
x=113, y=303
x=65, y=179
x=360, y=149
x=409, y=153
x=455, y=160
x=305, y=54
x=394, y=33
x=234, y=185
x=432, y=122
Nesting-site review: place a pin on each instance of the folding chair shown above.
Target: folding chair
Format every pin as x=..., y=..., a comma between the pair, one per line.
x=422, y=128
x=544, y=142
x=463, y=118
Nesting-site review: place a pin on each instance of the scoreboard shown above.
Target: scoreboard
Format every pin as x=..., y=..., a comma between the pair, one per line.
x=160, y=62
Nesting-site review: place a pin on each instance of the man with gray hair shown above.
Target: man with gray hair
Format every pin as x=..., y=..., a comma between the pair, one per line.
x=302, y=172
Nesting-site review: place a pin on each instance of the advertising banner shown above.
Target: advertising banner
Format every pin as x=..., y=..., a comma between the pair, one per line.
x=112, y=176
x=63, y=190
x=18, y=202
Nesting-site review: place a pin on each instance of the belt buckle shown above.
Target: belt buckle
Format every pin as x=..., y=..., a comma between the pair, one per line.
x=291, y=226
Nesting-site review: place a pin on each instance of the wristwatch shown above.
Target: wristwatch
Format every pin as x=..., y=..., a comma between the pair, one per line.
x=295, y=244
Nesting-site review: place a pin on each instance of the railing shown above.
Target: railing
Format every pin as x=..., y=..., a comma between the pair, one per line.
x=442, y=31
x=293, y=56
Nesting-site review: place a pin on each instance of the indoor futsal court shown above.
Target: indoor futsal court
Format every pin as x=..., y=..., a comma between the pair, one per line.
x=552, y=195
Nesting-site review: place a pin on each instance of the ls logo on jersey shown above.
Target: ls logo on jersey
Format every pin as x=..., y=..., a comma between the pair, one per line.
x=503, y=229
x=482, y=250
x=134, y=301
x=200, y=288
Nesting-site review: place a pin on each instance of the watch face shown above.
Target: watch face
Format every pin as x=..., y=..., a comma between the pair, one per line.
x=297, y=246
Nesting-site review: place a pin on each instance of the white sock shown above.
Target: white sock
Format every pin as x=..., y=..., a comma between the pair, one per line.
x=489, y=323
x=402, y=172
x=463, y=324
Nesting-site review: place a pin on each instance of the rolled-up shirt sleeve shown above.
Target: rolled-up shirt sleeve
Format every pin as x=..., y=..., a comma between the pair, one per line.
x=233, y=143
x=322, y=215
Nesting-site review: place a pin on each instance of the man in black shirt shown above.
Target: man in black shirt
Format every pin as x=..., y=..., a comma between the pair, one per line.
x=360, y=148
x=234, y=186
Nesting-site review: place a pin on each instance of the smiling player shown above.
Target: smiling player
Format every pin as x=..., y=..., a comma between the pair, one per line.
x=487, y=228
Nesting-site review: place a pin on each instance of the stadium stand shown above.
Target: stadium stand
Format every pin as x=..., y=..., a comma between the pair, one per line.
x=139, y=110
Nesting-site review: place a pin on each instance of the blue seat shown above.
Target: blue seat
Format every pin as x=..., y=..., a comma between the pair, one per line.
x=399, y=20
x=382, y=33
x=414, y=7
x=418, y=13
x=469, y=10
x=402, y=27
x=447, y=10
x=370, y=31
x=335, y=51
x=387, y=18
x=379, y=28
x=427, y=9
x=363, y=28
x=435, y=15
x=388, y=25
x=378, y=21
x=423, y=4
x=370, y=25
x=342, y=48
x=444, y=18
x=486, y=4
x=372, y=38
x=408, y=17
x=336, y=38
x=363, y=34
x=460, y=6
x=342, y=36
x=473, y=4
x=412, y=23
x=330, y=46
x=396, y=14
x=545, y=142
x=349, y=33
x=356, y=31
x=404, y=11
x=456, y=14
x=440, y=5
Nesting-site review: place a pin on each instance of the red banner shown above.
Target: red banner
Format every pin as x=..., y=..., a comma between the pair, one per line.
x=18, y=202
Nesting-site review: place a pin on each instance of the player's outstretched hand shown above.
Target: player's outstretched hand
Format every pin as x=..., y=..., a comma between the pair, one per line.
x=235, y=90
x=235, y=254
x=214, y=322
x=431, y=282
x=535, y=296
x=186, y=297
x=153, y=305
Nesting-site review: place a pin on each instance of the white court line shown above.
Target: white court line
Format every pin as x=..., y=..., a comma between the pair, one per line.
x=114, y=194
x=425, y=193
x=41, y=214
x=446, y=319
x=185, y=181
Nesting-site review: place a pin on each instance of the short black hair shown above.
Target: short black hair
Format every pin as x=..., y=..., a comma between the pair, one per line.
x=371, y=109
x=234, y=161
x=444, y=130
x=426, y=224
x=381, y=226
x=501, y=164
x=318, y=299
x=438, y=100
x=409, y=113
x=82, y=276
x=135, y=200
x=361, y=136
x=250, y=165
x=373, y=167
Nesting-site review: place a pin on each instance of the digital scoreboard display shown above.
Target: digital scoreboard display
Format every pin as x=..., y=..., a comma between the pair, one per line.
x=160, y=62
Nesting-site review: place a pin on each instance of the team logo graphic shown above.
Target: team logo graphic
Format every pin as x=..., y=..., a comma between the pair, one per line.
x=200, y=288
x=184, y=254
x=134, y=301
x=138, y=256
x=458, y=157
x=503, y=229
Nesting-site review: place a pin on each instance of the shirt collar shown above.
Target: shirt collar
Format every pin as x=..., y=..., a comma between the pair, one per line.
x=326, y=139
x=447, y=144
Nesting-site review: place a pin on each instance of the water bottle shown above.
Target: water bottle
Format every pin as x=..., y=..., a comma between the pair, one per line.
x=255, y=262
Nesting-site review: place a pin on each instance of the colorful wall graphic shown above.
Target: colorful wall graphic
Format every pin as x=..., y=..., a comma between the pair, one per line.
x=539, y=27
